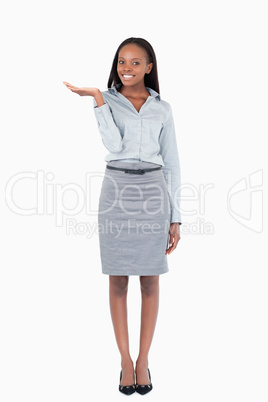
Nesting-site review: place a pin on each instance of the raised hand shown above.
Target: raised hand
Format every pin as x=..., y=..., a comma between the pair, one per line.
x=84, y=91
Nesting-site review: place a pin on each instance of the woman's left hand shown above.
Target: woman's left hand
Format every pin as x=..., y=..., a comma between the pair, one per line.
x=174, y=237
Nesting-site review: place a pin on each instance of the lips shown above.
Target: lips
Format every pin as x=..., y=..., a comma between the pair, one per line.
x=127, y=76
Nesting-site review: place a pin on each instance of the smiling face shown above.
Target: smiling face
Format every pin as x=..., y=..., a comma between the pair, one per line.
x=133, y=65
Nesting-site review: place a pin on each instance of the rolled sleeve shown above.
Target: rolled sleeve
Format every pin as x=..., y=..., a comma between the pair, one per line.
x=110, y=133
x=171, y=168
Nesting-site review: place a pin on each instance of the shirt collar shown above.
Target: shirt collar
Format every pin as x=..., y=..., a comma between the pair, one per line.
x=152, y=92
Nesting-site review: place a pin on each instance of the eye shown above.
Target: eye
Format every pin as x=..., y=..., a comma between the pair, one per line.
x=136, y=62
x=120, y=61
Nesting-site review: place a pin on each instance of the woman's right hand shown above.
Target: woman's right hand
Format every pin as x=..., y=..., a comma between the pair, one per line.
x=84, y=91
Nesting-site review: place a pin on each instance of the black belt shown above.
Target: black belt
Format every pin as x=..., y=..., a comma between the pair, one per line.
x=134, y=171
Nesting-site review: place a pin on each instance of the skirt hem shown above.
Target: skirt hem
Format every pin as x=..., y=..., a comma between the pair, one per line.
x=136, y=273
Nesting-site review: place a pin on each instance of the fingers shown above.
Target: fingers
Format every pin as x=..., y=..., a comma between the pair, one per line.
x=173, y=241
x=67, y=83
x=71, y=87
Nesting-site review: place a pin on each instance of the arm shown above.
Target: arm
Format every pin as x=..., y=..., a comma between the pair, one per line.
x=109, y=131
x=98, y=98
x=171, y=170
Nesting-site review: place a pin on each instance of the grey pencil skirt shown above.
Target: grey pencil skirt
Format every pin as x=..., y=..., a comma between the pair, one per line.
x=133, y=220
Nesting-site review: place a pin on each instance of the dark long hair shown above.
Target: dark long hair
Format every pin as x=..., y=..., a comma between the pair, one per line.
x=151, y=79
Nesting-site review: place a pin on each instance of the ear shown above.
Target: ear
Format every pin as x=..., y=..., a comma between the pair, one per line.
x=149, y=68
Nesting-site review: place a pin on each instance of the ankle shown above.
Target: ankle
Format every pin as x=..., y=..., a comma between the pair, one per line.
x=142, y=361
x=126, y=361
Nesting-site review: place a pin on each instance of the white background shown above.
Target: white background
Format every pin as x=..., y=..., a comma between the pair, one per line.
x=57, y=341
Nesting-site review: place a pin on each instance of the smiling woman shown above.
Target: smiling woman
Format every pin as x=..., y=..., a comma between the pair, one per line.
x=132, y=71
x=138, y=195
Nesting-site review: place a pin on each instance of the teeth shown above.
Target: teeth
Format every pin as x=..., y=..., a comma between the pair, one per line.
x=128, y=76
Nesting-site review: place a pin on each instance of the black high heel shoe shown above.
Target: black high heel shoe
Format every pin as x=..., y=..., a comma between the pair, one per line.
x=144, y=389
x=126, y=389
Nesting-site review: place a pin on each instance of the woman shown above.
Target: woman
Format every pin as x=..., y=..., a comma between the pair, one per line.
x=139, y=195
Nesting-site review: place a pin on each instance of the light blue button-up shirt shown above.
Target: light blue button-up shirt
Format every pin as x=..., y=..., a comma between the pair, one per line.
x=148, y=135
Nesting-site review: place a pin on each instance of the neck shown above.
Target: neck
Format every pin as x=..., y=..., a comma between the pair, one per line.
x=135, y=91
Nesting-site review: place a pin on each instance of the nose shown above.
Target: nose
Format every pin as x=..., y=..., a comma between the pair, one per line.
x=126, y=68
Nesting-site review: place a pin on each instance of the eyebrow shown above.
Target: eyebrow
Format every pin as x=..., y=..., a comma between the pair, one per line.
x=134, y=58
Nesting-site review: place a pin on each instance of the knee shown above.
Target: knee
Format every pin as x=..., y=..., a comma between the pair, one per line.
x=149, y=284
x=119, y=284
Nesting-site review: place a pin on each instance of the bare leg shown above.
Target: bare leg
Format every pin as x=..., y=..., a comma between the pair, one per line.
x=118, y=287
x=149, y=311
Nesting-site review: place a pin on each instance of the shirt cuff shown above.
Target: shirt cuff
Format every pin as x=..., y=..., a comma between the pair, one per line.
x=175, y=216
